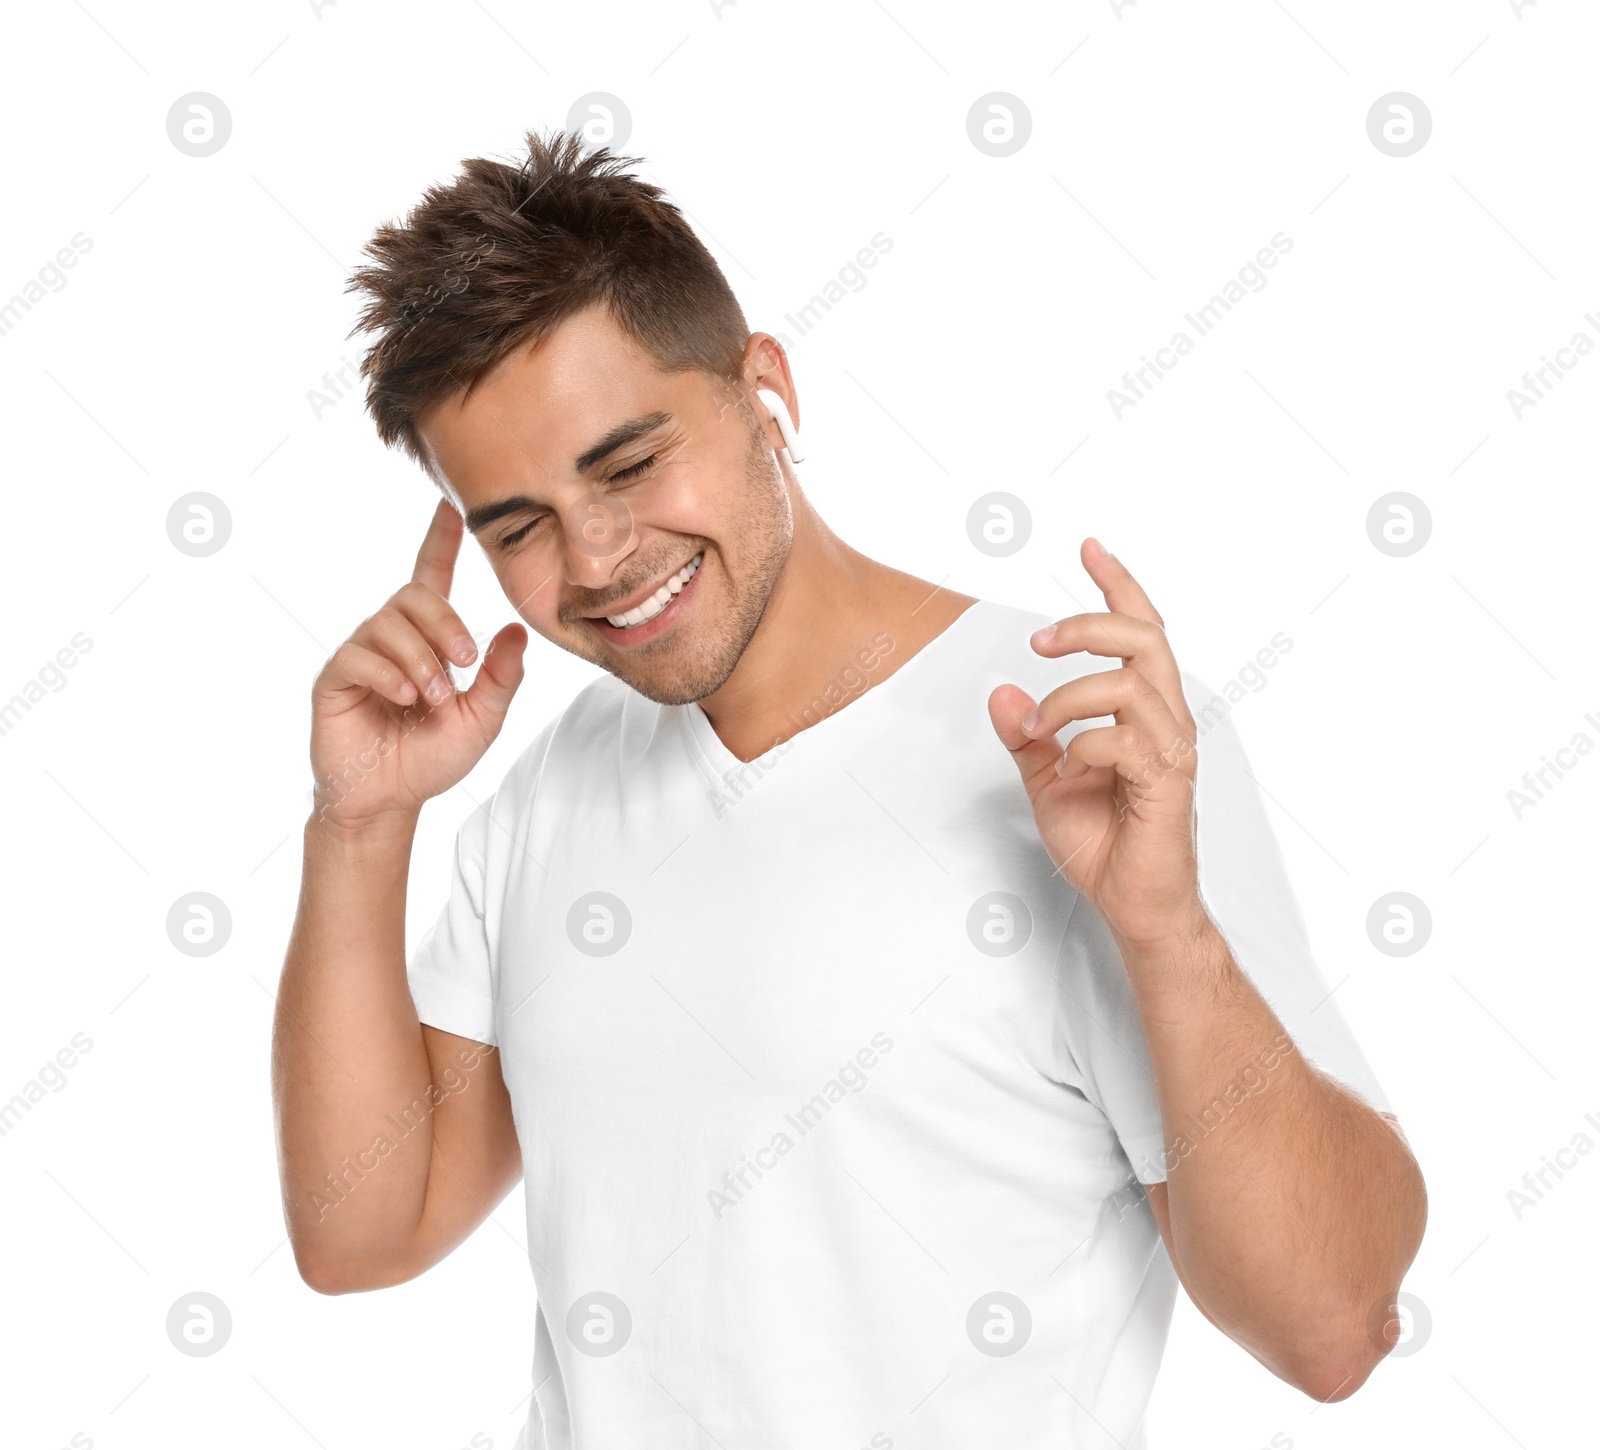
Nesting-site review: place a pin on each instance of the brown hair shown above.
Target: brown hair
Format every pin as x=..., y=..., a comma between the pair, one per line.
x=504, y=254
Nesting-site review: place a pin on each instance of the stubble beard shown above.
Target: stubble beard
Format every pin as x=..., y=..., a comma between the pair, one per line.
x=678, y=671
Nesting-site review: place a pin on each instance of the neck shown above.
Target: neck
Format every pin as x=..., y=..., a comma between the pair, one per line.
x=836, y=625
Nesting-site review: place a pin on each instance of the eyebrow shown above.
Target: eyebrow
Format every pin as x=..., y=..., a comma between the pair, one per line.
x=619, y=437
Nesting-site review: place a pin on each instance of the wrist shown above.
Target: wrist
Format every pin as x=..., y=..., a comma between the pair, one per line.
x=385, y=829
x=1187, y=935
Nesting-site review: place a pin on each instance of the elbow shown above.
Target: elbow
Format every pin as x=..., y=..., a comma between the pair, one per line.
x=1335, y=1377
x=1322, y=1356
x=1336, y=1365
x=344, y=1275
x=1343, y=1361
x=326, y=1277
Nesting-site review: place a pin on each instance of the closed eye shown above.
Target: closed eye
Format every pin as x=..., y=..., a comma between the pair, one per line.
x=622, y=475
x=634, y=471
x=518, y=534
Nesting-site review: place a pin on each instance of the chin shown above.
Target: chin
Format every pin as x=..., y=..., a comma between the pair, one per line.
x=674, y=681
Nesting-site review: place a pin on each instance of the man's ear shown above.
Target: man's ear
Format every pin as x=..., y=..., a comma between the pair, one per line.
x=766, y=365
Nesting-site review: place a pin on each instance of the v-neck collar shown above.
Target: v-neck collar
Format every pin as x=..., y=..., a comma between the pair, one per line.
x=718, y=762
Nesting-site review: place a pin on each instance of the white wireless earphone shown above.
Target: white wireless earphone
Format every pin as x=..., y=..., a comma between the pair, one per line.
x=780, y=414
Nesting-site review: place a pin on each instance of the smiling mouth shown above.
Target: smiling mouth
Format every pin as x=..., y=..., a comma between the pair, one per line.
x=649, y=607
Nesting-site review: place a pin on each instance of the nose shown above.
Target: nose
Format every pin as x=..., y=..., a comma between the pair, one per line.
x=599, y=536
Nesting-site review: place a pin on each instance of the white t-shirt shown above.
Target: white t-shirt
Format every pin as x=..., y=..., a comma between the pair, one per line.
x=832, y=1096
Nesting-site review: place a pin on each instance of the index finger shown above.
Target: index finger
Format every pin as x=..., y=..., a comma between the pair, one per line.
x=1120, y=588
x=436, y=559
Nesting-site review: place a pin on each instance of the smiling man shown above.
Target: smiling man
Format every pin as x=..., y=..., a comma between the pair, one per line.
x=880, y=1041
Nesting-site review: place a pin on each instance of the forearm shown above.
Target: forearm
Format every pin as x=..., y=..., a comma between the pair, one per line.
x=349, y=1061
x=1294, y=1207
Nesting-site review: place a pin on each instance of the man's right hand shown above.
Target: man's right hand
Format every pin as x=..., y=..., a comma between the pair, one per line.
x=389, y=729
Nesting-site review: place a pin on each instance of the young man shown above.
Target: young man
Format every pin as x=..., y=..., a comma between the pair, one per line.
x=847, y=1000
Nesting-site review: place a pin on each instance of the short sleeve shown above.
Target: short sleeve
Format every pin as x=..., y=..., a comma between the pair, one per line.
x=1101, y=1043
x=450, y=973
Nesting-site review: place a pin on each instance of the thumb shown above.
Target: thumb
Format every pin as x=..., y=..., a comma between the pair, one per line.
x=1008, y=704
x=489, y=695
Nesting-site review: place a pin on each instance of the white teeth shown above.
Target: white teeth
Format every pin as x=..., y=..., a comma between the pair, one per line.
x=659, y=600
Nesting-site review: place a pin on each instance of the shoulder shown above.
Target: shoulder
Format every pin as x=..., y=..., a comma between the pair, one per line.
x=590, y=722
x=997, y=636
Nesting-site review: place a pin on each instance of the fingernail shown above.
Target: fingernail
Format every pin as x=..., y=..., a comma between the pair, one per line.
x=1069, y=769
x=1042, y=637
x=464, y=649
x=439, y=689
x=1030, y=720
x=407, y=692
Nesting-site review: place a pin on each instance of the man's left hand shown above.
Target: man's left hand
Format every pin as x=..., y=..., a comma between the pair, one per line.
x=1116, y=810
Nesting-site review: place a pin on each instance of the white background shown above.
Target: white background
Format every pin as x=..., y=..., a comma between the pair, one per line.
x=1168, y=144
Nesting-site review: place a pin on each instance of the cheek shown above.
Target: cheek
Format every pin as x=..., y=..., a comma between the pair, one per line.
x=531, y=590
x=714, y=496
x=685, y=499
